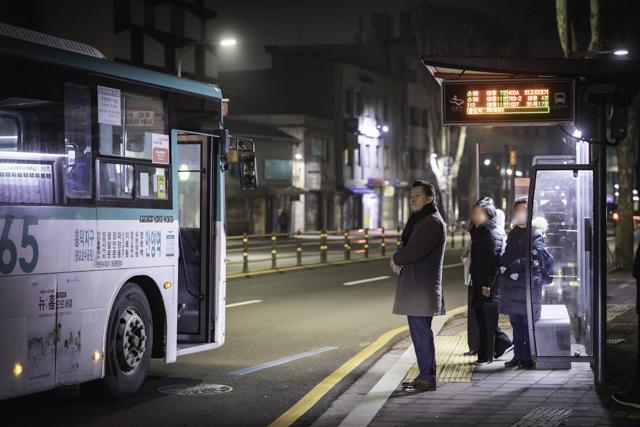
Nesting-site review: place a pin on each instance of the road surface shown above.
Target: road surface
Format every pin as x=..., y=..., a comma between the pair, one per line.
x=307, y=320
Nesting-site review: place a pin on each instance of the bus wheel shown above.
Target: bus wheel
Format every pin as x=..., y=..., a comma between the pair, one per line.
x=129, y=342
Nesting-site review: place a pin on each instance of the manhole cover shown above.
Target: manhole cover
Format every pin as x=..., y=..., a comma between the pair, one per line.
x=195, y=390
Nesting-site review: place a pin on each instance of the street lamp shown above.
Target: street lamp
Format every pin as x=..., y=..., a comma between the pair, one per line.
x=228, y=42
x=225, y=43
x=616, y=52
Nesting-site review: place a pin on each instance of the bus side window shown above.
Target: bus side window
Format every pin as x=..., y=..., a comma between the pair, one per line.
x=77, y=136
x=141, y=117
x=152, y=182
x=116, y=181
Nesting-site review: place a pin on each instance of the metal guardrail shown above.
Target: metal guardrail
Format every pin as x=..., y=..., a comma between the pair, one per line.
x=277, y=250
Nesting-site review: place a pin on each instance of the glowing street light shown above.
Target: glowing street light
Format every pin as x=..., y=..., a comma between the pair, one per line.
x=487, y=162
x=385, y=128
x=225, y=43
x=228, y=42
x=615, y=52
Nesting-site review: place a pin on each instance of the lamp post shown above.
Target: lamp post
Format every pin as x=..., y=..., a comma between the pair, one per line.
x=225, y=43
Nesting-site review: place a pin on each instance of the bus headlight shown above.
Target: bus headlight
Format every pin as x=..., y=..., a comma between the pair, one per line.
x=17, y=370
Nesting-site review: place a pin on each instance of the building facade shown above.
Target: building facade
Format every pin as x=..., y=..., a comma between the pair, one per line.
x=279, y=176
x=318, y=208
x=372, y=153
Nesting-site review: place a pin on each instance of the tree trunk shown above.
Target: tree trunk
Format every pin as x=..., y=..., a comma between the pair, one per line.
x=624, y=226
x=462, y=140
x=562, y=21
x=595, y=18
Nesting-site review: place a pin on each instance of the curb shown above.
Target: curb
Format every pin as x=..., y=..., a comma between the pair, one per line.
x=366, y=410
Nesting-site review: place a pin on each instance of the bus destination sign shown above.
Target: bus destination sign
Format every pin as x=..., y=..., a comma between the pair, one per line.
x=508, y=102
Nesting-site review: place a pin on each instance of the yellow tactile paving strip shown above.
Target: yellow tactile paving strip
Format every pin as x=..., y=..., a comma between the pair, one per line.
x=451, y=343
x=452, y=365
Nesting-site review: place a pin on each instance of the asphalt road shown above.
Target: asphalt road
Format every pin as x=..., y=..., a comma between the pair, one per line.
x=300, y=311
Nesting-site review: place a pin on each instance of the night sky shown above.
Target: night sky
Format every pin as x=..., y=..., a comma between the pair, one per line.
x=291, y=22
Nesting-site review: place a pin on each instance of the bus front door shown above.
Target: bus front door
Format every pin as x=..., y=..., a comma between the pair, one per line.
x=560, y=281
x=196, y=240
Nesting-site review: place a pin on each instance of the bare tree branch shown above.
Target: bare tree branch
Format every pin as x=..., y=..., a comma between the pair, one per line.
x=562, y=21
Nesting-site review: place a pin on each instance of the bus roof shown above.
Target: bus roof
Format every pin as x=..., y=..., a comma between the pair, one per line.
x=46, y=53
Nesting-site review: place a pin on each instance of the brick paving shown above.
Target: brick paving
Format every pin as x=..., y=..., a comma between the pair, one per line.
x=498, y=396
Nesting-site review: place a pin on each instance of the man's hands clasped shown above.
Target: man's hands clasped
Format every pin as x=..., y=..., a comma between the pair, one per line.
x=395, y=267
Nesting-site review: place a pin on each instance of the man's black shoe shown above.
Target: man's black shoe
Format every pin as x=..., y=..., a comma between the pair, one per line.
x=420, y=385
x=424, y=385
x=483, y=361
x=627, y=399
x=513, y=363
x=470, y=353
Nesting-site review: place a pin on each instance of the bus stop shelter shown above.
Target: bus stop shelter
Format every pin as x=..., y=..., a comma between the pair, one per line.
x=591, y=96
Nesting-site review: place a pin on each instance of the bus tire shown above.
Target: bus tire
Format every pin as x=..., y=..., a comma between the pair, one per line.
x=129, y=342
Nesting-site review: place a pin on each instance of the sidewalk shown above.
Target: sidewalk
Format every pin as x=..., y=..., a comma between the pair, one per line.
x=492, y=395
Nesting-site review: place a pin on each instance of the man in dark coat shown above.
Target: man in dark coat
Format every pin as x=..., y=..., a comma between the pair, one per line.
x=419, y=293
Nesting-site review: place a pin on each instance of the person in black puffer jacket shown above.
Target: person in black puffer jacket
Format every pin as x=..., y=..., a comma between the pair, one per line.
x=512, y=280
x=486, y=248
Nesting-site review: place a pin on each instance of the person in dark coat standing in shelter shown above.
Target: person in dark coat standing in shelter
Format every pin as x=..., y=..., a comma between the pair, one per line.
x=512, y=284
x=512, y=280
x=419, y=293
x=486, y=248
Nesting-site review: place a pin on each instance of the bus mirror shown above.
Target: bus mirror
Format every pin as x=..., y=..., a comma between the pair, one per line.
x=248, y=170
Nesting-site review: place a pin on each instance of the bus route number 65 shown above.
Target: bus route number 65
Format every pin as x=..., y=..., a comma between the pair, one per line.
x=8, y=247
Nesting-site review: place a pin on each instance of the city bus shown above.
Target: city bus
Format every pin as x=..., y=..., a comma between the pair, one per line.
x=112, y=239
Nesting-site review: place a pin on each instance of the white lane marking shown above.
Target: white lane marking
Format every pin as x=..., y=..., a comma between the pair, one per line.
x=459, y=264
x=378, y=278
x=238, y=304
x=372, y=279
x=281, y=361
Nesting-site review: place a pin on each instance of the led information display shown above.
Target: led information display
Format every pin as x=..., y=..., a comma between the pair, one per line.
x=508, y=102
